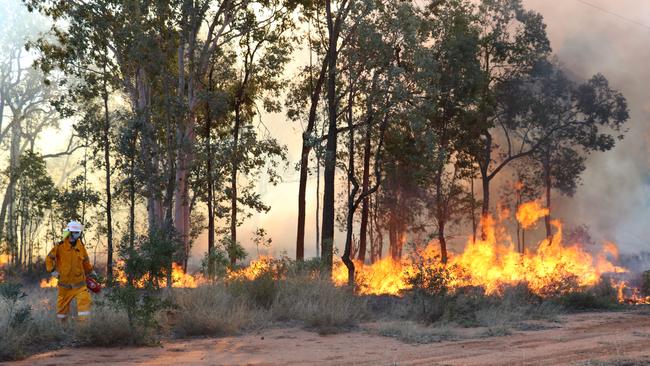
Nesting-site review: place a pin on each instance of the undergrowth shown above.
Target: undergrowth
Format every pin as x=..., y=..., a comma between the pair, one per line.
x=289, y=294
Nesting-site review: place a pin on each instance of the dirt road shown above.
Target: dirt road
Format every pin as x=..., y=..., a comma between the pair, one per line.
x=578, y=338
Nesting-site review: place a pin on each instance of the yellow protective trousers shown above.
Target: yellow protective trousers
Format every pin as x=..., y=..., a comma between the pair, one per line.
x=65, y=296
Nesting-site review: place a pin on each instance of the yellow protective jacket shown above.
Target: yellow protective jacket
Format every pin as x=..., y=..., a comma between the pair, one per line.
x=71, y=261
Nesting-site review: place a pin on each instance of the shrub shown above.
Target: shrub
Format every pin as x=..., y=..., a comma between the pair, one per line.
x=24, y=331
x=212, y=310
x=602, y=296
x=319, y=304
x=260, y=291
x=470, y=306
x=109, y=328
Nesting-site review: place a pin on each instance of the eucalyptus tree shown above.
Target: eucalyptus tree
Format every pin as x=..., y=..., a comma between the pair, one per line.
x=35, y=193
x=448, y=78
x=25, y=100
x=303, y=103
x=564, y=121
x=372, y=76
x=338, y=33
x=511, y=41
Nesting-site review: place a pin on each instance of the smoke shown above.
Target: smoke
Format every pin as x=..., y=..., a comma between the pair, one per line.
x=614, y=199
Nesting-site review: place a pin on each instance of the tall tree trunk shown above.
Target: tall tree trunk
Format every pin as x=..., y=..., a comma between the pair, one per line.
x=485, y=209
x=363, y=229
x=10, y=194
x=210, y=182
x=107, y=167
x=327, y=241
x=547, y=184
x=317, y=216
x=473, y=209
x=233, y=179
x=132, y=194
x=484, y=166
x=307, y=136
x=393, y=236
x=182, y=199
x=352, y=193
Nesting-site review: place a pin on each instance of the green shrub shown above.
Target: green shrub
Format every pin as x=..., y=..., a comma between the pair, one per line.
x=602, y=296
x=260, y=291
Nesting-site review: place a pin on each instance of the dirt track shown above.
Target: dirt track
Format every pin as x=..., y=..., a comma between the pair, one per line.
x=603, y=336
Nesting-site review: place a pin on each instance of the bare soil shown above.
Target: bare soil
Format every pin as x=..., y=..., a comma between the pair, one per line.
x=575, y=340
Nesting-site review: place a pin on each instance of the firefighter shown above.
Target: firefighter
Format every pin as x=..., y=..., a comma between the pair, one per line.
x=69, y=262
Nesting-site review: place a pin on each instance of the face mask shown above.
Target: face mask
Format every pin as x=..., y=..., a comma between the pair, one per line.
x=75, y=235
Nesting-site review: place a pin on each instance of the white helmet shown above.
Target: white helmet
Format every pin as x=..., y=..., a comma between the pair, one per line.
x=74, y=226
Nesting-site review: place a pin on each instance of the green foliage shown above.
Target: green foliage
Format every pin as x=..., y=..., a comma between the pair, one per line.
x=235, y=250
x=215, y=264
x=602, y=296
x=261, y=291
x=145, y=265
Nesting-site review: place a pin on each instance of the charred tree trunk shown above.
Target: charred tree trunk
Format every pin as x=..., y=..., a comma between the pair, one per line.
x=547, y=185
x=107, y=168
x=393, y=236
x=327, y=241
x=473, y=209
x=352, y=193
x=233, y=178
x=132, y=193
x=304, y=160
x=363, y=230
x=210, y=182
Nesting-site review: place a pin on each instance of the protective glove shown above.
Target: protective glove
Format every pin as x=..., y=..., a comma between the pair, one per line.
x=93, y=275
x=55, y=274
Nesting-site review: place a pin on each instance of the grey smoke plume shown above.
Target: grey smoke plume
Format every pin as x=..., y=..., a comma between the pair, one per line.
x=614, y=199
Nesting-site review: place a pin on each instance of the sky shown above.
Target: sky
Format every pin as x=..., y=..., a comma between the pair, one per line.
x=588, y=36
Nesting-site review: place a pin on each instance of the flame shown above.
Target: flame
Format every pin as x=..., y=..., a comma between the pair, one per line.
x=51, y=282
x=256, y=268
x=494, y=262
x=529, y=212
x=180, y=279
x=4, y=259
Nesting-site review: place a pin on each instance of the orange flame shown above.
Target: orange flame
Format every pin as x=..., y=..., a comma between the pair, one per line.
x=528, y=213
x=180, y=279
x=494, y=262
x=256, y=268
x=51, y=282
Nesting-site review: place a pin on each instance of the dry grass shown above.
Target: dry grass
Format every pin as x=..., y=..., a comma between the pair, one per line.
x=212, y=310
x=299, y=299
x=318, y=304
x=39, y=332
x=108, y=328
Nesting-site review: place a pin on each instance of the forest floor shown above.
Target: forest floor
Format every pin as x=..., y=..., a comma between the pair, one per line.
x=606, y=338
